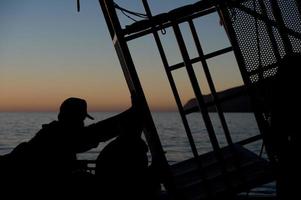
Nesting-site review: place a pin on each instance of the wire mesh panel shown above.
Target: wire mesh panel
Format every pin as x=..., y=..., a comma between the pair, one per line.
x=258, y=35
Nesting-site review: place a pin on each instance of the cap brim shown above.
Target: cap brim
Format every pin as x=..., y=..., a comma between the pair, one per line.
x=89, y=116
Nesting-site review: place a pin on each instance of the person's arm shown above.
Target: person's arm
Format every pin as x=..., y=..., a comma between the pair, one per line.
x=111, y=127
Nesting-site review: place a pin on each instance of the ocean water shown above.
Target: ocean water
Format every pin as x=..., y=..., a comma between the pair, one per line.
x=18, y=127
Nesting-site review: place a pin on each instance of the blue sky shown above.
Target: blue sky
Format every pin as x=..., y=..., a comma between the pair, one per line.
x=49, y=52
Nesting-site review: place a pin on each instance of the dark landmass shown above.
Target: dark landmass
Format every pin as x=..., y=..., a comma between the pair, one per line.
x=239, y=103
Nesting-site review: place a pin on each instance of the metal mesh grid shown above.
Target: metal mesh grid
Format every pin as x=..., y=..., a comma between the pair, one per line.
x=292, y=20
x=255, y=41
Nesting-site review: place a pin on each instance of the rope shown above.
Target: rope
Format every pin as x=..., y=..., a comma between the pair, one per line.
x=128, y=13
x=259, y=56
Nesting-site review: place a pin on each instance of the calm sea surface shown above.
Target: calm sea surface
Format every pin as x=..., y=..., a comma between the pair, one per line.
x=19, y=127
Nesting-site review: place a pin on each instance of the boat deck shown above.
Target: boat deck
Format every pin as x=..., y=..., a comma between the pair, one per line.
x=206, y=178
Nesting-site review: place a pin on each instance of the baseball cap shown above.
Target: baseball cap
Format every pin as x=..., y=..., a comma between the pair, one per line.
x=74, y=106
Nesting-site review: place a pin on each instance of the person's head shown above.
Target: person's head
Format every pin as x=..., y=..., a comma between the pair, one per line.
x=73, y=110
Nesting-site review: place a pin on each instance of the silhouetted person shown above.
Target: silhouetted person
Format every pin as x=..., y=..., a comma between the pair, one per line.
x=285, y=126
x=49, y=158
x=122, y=170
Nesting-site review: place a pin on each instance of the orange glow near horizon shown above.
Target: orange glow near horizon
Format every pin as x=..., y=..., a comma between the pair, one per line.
x=46, y=104
x=27, y=93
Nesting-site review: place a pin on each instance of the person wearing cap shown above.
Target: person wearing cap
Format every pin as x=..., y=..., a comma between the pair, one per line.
x=51, y=154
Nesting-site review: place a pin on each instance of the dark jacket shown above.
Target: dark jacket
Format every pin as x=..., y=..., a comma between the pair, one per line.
x=51, y=153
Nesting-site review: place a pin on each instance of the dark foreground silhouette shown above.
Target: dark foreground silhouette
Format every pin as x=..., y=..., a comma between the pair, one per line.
x=122, y=170
x=47, y=162
x=285, y=126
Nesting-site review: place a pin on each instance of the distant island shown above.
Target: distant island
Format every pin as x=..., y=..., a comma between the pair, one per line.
x=236, y=100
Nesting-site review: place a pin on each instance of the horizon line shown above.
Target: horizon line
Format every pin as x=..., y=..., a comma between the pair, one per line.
x=92, y=111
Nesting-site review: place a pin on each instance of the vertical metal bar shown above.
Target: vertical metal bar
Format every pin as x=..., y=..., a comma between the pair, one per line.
x=178, y=101
x=159, y=161
x=78, y=6
x=262, y=123
x=279, y=19
x=260, y=65
x=236, y=161
x=107, y=17
x=196, y=88
x=168, y=181
x=210, y=82
x=269, y=30
x=202, y=105
x=172, y=84
x=158, y=156
x=298, y=3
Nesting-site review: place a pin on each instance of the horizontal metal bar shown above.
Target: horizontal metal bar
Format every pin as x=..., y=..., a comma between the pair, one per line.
x=221, y=100
x=267, y=20
x=245, y=91
x=219, y=52
x=198, y=59
x=250, y=140
x=181, y=64
x=135, y=33
x=262, y=69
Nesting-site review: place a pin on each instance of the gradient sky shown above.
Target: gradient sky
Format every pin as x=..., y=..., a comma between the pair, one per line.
x=49, y=52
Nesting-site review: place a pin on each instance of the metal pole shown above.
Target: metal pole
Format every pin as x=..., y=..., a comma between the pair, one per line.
x=298, y=2
x=262, y=123
x=279, y=19
x=270, y=31
x=133, y=82
x=196, y=88
x=210, y=82
x=172, y=83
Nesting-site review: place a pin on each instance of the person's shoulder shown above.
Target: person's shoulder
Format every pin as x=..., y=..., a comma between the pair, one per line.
x=51, y=126
x=95, y=125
